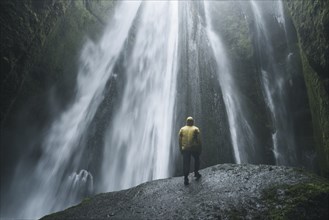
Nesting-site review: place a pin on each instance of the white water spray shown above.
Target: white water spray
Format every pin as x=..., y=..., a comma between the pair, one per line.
x=137, y=146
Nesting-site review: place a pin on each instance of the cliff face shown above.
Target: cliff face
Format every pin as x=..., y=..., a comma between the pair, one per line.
x=40, y=46
x=25, y=27
x=224, y=192
x=311, y=19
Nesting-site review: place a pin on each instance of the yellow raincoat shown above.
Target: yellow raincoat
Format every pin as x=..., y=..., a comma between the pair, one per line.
x=189, y=137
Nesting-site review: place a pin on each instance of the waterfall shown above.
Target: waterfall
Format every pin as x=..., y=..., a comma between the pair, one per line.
x=164, y=54
x=137, y=144
x=60, y=150
x=275, y=80
x=242, y=134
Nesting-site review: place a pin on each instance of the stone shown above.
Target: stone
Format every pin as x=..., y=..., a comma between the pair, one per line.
x=226, y=191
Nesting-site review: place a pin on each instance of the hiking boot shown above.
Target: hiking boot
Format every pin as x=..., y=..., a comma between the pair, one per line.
x=186, y=181
x=197, y=176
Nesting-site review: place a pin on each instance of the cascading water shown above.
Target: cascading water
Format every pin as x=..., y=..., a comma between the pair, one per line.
x=274, y=81
x=60, y=151
x=138, y=143
x=241, y=133
x=137, y=146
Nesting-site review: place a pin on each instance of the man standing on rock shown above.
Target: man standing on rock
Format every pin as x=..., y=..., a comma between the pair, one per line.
x=190, y=145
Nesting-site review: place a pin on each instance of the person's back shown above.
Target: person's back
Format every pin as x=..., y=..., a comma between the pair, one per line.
x=190, y=145
x=190, y=138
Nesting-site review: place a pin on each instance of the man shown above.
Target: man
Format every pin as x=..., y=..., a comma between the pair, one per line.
x=190, y=145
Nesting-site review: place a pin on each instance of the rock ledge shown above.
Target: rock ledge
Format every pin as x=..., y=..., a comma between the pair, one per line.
x=226, y=191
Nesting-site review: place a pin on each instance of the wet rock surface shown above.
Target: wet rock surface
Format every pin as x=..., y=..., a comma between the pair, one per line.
x=225, y=191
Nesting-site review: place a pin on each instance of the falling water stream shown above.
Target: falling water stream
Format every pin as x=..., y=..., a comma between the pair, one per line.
x=140, y=134
x=61, y=154
x=274, y=80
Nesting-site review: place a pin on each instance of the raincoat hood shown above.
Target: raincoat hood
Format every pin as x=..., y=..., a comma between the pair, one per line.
x=189, y=121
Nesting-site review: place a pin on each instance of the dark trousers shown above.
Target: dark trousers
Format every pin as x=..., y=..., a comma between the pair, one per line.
x=187, y=160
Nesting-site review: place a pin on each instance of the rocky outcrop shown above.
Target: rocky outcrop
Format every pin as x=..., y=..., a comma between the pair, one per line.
x=224, y=192
x=311, y=20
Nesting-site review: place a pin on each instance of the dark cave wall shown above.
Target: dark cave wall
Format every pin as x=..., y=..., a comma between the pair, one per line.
x=311, y=20
x=25, y=27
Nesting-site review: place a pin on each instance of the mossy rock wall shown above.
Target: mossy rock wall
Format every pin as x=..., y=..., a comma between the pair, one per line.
x=25, y=26
x=311, y=19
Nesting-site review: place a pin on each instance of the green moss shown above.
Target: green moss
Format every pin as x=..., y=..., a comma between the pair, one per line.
x=300, y=201
x=86, y=200
x=235, y=214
